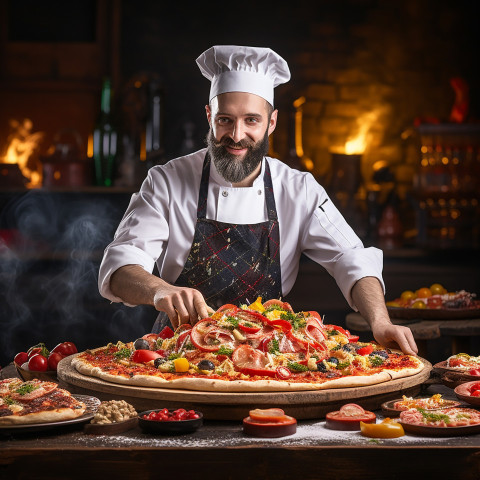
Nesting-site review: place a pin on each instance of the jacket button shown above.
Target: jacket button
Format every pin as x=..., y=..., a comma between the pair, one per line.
x=259, y=192
x=225, y=194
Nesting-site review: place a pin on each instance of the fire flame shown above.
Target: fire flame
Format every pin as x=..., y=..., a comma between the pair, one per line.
x=22, y=145
x=358, y=143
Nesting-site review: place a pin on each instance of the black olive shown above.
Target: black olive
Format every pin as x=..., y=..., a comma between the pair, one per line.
x=206, y=365
x=158, y=361
x=348, y=347
x=141, y=344
x=321, y=367
x=380, y=353
x=333, y=360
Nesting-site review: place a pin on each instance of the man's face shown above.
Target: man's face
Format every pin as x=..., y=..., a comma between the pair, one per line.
x=238, y=138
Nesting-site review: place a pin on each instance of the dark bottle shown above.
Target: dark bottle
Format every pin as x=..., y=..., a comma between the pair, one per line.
x=105, y=140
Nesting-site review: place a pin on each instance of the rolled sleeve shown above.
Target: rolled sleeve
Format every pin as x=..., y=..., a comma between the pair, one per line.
x=118, y=256
x=352, y=265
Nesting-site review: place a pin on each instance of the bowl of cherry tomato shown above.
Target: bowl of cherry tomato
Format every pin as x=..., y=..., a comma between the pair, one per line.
x=165, y=421
x=469, y=392
x=41, y=363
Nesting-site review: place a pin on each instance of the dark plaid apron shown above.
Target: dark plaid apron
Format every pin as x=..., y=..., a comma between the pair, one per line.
x=231, y=263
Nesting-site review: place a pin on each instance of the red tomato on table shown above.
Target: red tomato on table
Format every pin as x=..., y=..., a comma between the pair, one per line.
x=65, y=349
x=38, y=363
x=21, y=358
x=53, y=360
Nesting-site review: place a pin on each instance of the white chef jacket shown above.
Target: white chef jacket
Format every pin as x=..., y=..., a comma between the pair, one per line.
x=159, y=224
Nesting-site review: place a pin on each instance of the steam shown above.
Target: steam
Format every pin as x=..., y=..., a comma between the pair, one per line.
x=49, y=274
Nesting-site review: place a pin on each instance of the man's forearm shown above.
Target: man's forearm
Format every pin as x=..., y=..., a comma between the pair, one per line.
x=135, y=286
x=368, y=297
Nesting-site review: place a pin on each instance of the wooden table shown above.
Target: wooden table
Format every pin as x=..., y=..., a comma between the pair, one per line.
x=423, y=330
x=220, y=450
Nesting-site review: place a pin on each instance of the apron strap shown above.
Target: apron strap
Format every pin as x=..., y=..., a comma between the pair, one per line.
x=203, y=193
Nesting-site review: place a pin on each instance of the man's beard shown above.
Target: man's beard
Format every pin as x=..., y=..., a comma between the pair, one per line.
x=229, y=166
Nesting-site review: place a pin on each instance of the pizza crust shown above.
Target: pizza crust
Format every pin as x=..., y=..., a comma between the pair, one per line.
x=217, y=385
x=56, y=415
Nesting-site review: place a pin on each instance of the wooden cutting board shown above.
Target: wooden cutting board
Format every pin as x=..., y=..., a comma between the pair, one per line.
x=309, y=404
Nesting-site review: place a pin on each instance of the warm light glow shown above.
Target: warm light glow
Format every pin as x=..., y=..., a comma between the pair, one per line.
x=90, y=146
x=357, y=144
x=22, y=144
x=307, y=163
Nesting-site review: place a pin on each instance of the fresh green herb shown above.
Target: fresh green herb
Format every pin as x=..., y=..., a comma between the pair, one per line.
x=331, y=333
x=343, y=365
x=336, y=347
x=189, y=346
x=375, y=440
x=223, y=350
x=272, y=308
x=376, y=361
x=434, y=417
x=123, y=353
x=273, y=346
x=233, y=321
x=297, y=367
x=173, y=356
x=26, y=388
x=8, y=400
x=296, y=321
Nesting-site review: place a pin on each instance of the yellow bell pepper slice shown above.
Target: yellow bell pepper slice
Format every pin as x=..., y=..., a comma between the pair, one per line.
x=181, y=365
x=257, y=305
x=388, y=428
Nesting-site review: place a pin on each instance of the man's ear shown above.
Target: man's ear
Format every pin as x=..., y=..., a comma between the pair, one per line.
x=273, y=122
x=209, y=113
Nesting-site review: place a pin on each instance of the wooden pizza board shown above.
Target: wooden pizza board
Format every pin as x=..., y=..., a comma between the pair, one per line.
x=302, y=405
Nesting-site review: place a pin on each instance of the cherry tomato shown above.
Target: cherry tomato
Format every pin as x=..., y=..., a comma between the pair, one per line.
x=408, y=295
x=65, y=349
x=366, y=350
x=38, y=363
x=167, y=332
x=39, y=348
x=20, y=358
x=418, y=304
x=476, y=393
x=144, y=356
x=53, y=360
x=183, y=338
x=475, y=387
x=437, y=289
x=423, y=292
x=475, y=371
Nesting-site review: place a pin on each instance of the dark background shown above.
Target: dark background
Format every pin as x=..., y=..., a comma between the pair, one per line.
x=342, y=55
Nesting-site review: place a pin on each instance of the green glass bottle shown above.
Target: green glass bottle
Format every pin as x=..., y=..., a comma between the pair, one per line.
x=105, y=140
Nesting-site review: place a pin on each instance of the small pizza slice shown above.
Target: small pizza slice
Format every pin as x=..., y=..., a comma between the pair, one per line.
x=35, y=401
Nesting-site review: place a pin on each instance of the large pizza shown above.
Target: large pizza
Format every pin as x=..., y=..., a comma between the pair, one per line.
x=258, y=347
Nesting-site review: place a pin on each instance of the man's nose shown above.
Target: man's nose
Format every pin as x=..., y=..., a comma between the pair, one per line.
x=238, y=132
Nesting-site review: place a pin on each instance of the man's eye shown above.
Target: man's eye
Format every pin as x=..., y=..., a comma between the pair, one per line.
x=253, y=120
x=223, y=120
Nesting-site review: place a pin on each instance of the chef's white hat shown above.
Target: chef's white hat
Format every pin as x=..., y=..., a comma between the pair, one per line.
x=243, y=69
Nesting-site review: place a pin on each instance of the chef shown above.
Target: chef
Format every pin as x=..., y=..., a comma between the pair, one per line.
x=227, y=224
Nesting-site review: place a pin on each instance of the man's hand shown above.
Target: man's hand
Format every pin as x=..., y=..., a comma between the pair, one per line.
x=181, y=304
x=394, y=336
x=367, y=294
x=135, y=286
